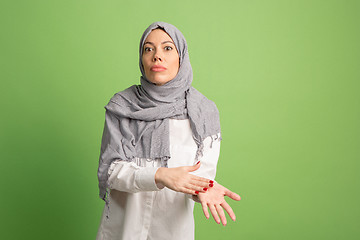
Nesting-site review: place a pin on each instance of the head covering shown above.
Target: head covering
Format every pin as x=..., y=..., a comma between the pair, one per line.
x=137, y=119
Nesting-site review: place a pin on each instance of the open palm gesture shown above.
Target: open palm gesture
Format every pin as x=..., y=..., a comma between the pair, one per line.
x=214, y=199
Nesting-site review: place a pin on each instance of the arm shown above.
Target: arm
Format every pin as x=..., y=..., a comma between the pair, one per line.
x=129, y=177
x=121, y=175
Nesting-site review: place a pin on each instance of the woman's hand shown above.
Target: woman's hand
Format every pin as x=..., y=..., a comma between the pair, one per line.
x=214, y=199
x=180, y=180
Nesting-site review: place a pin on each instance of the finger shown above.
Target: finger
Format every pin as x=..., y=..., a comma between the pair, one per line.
x=221, y=214
x=200, y=179
x=229, y=210
x=195, y=188
x=193, y=168
x=198, y=188
x=214, y=213
x=199, y=183
x=192, y=191
x=205, y=209
x=188, y=191
x=232, y=195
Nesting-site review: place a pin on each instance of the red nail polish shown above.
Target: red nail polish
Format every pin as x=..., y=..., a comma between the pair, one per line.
x=196, y=192
x=211, y=181
x=197, y=163
x=204, y=188
x=211, y=185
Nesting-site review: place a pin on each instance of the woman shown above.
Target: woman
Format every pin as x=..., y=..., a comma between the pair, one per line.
x=160, y=148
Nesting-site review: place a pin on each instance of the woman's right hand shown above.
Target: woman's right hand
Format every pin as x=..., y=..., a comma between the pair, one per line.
x=180, y=180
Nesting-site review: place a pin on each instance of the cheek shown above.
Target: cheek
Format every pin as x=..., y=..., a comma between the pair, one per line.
x=175, y=63
x=145, y=62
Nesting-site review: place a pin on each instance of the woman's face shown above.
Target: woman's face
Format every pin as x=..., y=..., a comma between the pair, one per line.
x=160, y=58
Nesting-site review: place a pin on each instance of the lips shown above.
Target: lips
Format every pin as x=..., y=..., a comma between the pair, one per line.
x=157, y=68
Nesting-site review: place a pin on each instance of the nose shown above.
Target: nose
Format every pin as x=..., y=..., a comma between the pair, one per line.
x=157, y=56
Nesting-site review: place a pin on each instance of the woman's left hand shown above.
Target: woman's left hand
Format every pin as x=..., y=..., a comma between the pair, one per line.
x=214, y=199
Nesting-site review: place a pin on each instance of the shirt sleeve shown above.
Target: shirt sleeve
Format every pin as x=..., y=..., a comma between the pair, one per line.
x=122, y=175
x=129, y=177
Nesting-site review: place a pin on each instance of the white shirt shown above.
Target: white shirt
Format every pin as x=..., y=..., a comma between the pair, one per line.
x=139, y=209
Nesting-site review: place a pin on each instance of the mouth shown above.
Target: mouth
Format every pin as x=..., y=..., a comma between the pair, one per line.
x=157, y=68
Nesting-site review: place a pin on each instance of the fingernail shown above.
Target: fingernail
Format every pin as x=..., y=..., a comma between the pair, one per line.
x=211, y=185
x=204, y=188
x=196, y=192
x=197, y=163
x=211, y=181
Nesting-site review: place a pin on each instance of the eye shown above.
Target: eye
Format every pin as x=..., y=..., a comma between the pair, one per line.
x=168, y=48
x=147, y=49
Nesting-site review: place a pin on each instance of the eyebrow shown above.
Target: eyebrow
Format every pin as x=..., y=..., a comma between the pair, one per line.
x=161, y=43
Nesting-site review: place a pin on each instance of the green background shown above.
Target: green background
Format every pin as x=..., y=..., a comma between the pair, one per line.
x=284, y=75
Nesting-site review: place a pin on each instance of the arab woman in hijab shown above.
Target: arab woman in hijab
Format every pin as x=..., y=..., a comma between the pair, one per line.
x=160, y=148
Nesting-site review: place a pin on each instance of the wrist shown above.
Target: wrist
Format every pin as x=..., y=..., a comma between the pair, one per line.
x=159, y=175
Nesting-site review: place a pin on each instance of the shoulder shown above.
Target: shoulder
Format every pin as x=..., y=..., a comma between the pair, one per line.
x=121, y=103
x=127, y=93
x=196, y=97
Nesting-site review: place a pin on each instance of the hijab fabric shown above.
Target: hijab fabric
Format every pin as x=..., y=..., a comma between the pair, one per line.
x=137, y=119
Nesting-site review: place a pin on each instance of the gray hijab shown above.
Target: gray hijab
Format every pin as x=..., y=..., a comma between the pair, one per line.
x=137, y=119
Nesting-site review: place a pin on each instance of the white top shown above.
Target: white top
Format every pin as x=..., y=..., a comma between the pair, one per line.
x=139, y=209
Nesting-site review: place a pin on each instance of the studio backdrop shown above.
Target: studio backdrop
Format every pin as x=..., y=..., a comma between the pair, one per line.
x=284, y=75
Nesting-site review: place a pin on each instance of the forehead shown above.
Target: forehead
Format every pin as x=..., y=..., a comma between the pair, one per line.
x=158, y=35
